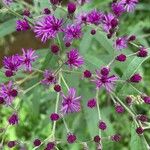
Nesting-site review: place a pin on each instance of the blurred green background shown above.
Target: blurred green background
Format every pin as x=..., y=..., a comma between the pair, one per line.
x=38, y=104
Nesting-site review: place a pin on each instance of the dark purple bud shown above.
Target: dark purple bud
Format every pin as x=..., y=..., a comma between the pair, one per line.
x=57, y=88
x=146, y=99
x=119, y=108
x=91, y=103
x=84, y=18
x=54, y=2
x=2, y=100
x=14, y=93
x=116, y=138
x=139, y=130
x=46, y=11
x=142, y=118
x=93, y=32
x=114, y=23
x=13, y=119
x=9, y=73
x=109, y=36
x=132, y=38
x=67, y=44
x=129, y=100
x=142, y=52
x=136, y=78
x=11, y=144
x=71, y=138
x=54, y=117
x=87, y=74
x=97, y=139
x=26, y=12
x=50, y=145
x=71, y=7
x=105, y=71
x=37, y=142
x=121, y=58
x=102, y=125
x=54, y=49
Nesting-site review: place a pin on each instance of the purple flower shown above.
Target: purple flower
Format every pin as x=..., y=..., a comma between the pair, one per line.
x=129, y=5
x=8, y=92
x=27, y=58
x=11, y=63
x=8, y=2
x=70, y=103
x=72, y=32
x=95, y=17
x=48, y=27
x=117, y=8
x=49, y=78
x=74, y=59
x=106, y=22
x=81, y=18
x=13, y=119
x=22, y=25
x=107, y=82
x=121, y=43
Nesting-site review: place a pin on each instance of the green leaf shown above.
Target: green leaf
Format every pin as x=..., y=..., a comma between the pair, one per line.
x=105, y=43
x=7, y=27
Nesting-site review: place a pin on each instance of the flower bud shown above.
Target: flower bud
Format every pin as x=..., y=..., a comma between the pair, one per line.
x=71, y=7
x=136, y=78
x=71, y=138
x=121, y=58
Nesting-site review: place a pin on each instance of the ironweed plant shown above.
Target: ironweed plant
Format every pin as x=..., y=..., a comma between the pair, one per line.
x=54, y=97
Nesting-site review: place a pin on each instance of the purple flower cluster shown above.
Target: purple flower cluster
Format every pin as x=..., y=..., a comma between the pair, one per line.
x=15, y=62
x=62, y=33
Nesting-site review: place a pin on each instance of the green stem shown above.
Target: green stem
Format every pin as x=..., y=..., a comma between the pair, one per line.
x=99, y=113
x=27, y=90
x=65, y=82
x=136, y=89
x=66, y=126
x=56, y=108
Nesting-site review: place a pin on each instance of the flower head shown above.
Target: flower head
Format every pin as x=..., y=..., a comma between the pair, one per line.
x=81, y=18
x=49, y=78
x=105, y=81
x=8, y=2
x=121, y=43
x=117, y=8
x=95, y=17
x=129, y=5
x=74, y=59
x=72, y=32
x=70, y=103
x=48, y=27
x=28, y=58
x=22, y=25
x=8, y=92
x=106, y=22
x=11, y=63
